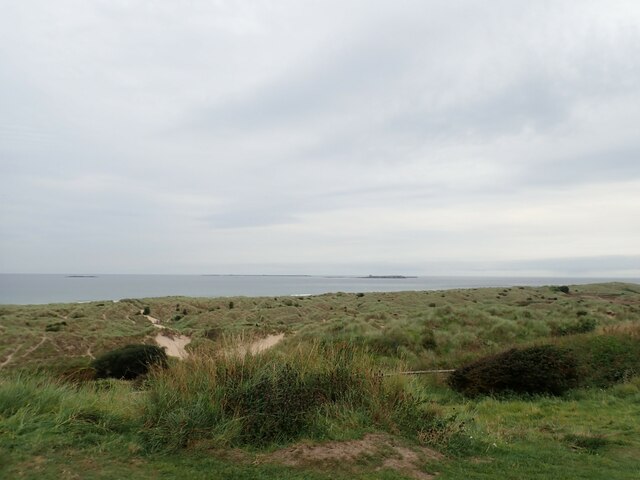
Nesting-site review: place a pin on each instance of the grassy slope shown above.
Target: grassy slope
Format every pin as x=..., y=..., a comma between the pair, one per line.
x=586, y=434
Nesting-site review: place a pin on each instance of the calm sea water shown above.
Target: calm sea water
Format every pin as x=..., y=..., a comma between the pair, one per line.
x=38, y=289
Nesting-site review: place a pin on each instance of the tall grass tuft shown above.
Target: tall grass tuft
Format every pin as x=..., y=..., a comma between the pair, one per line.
x=38, y=411
x=310, y=391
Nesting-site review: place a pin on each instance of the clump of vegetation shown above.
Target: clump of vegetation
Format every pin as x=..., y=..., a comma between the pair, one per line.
x=588, y=443
x=545, y=369
x=583, y=325
x=146, y=310
x=55, y=327
x=391, y=342
x=213, y=333
x=428, y=339
x=266, y=399
x=129, y=362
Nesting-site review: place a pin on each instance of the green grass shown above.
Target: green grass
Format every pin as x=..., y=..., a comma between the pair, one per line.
x=461, y=324
x=220, y=416
x=590, y=434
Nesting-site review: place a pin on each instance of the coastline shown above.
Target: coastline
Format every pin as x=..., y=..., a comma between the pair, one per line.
x=40, y=289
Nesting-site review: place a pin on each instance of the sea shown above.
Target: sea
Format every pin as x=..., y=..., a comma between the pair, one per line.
x=24, y=289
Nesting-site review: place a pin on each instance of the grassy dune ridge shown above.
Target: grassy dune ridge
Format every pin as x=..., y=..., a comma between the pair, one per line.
x=218, y=414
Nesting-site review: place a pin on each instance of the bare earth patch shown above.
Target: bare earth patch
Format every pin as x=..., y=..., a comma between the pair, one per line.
x=380, y=449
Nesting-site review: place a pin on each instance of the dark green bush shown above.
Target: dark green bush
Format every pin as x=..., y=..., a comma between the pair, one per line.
x=129, y=362
x=146, y=311
x=55, y=327
x=535, y=370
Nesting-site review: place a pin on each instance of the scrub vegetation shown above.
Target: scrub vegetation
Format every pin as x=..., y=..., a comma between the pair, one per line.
x=546, y=386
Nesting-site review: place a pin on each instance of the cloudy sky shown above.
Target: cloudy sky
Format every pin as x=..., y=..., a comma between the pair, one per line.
x=320, y=137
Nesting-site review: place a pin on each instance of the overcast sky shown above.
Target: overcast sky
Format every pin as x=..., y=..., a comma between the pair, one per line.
x=320, y=137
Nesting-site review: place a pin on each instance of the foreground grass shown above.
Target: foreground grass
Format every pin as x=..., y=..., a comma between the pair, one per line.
x=587, y=434
x=186, y=419
x=49, y=430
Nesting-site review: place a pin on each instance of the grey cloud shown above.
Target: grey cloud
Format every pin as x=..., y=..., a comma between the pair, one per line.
x=330, y=87
x=373, y=123
x=240, y=216
x=527, y=103
x=611, y=165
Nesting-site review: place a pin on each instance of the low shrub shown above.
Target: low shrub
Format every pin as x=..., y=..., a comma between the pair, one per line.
x=545, y=369
x=55, y=327
x=583, y=325
x=129, y=362
x=278, y=398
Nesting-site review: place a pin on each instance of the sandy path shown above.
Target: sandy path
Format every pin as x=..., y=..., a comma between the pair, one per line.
x=156, y=323
x=172, y=344
x=10, y=357
x=260, y=345
x=33, y=349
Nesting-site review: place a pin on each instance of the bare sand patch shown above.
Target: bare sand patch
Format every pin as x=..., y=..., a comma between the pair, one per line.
x=260, y=345
x=173, y=344
x=265, y=343
x=154, y=321
x=381, y=448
